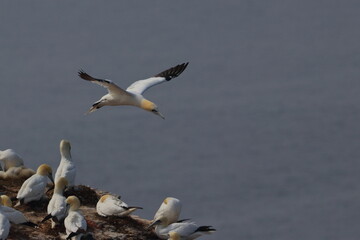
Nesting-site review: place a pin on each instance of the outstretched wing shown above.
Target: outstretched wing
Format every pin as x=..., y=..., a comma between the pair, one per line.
x=141, y=86
x=109, y=85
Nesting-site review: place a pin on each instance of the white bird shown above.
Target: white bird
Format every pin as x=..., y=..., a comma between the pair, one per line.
x=168, y=212
x=66, y=168
x=18, y=172
x=34, y=187
x=184, y=230
x=75, y=222
x=109, y=205
x=13, y=165
x=4, y=226
x=12, y=214
x=133, y=94
x=10, y=159
x=56, y=208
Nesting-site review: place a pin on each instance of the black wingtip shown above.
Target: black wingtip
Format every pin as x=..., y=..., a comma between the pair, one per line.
x=173, y=72
x=46, y=218
x=205, y=229
x=30, y=224
x=82, y=74
x=71, y=235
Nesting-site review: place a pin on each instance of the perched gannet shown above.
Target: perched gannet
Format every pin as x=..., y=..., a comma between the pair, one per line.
x=133, y=94
x=34, y=187
x=67, y=168
x=186, y=230
x=12, y=214
x=168, y=212
x=56, y=208
x=109, y=205
x=4, y=226
x=10, y=159
x=75, y=222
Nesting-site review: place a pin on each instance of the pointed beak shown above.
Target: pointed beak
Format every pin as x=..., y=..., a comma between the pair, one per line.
x=51, y=178
x=153, y=223
x=155, y=111
x=160, y=115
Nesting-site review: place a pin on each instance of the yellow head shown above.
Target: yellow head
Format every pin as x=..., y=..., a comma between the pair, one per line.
x=103, y=198
x=74, y=203
x=6, y=201
x=151, y=107
x=45, y=170
x=61, y=185
x=174, y=236
x=65, y=148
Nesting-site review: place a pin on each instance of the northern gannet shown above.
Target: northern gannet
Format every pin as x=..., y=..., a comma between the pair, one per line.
x=4, y=226
x=12, y=214
x=75, y=222
x=186, y=230
x=66, y=168
x=13, y=165
x=168, y=212
x=56, y=208
x=10, y=159
x=109, y=205
x=133, y=94
x=34, y=187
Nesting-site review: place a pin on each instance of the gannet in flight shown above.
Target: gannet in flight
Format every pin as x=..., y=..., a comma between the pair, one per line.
x=109, y=205
x=133, y=94
x=66, y=168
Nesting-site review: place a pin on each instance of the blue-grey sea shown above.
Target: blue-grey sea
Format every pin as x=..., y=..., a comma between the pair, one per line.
x=261, y=138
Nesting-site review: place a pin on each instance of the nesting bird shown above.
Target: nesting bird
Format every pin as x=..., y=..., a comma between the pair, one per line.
x=168, y=212
x=109, y=205
x=75, y=222
x=66, y=168
x=182, y=230
x=13, y=165
x=10, y=159
x=4, y=226
x=133, y=94
x=12, y=214
x=56, y=208
x=34, y=187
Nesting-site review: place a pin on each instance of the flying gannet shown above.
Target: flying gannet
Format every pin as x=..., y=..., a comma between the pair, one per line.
x=66, y=168
x=34, y=187
x=109, y=205
x=133, y=94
